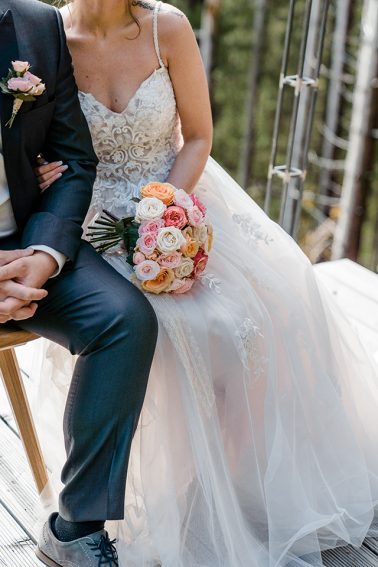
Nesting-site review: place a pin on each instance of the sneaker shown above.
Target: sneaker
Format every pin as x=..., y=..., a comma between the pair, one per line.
x=94, y=550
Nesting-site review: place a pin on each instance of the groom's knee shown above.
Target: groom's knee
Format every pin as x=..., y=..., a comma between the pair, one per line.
x=125, y=316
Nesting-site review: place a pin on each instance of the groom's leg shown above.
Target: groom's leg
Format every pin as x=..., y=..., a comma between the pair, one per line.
x=96, y=313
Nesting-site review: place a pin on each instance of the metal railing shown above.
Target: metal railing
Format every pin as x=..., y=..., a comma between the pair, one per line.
x=293, y=172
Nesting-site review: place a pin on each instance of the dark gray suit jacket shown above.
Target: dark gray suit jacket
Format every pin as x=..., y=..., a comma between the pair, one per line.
x=52, y=125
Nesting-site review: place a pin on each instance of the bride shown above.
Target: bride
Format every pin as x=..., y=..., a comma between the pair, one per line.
x=256, y=443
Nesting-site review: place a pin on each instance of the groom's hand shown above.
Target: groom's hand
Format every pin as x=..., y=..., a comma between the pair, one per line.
x=22, y=274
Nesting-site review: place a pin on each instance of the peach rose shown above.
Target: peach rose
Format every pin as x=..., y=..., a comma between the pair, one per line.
x=191, y=248
x=170, y=260
x=181, y=286
x=162, y=191
x=147, y=270
x=200, y=233
x=175, y=216
x=195, y=216
x=38, y=90
x=19, y=84
x=138, y=257
x=160, y=283
x=210, y=239
x=20, y=66
x=200, y=263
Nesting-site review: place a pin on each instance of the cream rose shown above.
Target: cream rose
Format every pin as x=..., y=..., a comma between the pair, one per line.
x=147, y=270
x=169, y=239
x=200, y=233
x=185, y=268
x=149, y=208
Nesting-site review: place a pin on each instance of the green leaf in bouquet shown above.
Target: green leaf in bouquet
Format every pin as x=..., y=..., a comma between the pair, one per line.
x=110, y=230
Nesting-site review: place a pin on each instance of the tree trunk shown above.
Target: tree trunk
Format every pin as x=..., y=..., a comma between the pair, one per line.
x=360, y=132
x=210, y=12
x=246, y=157
x=335, y=87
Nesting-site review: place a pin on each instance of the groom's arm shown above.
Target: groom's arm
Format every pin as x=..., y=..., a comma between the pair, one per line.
x=62, y=209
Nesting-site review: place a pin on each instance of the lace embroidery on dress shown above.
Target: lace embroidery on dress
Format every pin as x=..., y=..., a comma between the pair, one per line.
x=211, y=281
x=173, y=320
x=251, y=229
x=248, y=344
x=135, y=146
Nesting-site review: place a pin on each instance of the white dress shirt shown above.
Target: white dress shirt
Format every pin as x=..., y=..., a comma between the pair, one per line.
x=8, y=224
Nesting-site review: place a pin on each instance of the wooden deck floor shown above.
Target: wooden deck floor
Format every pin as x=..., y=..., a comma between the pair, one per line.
x=18, y=497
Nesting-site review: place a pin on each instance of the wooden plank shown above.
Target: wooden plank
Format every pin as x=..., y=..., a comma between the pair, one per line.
x=11, y=337
x=16, y=548
x=350, y=557
x=17, y=396
x=372, y=544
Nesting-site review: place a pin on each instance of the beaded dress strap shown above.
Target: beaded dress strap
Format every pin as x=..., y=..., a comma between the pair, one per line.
x=156, y=36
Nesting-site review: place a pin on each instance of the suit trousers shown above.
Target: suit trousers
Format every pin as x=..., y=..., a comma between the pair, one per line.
x=97, y=314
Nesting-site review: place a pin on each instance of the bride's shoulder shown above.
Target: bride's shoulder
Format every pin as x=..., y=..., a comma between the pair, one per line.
x=173, y=24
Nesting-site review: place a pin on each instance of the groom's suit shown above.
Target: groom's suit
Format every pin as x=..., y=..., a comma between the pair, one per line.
x=90, y=309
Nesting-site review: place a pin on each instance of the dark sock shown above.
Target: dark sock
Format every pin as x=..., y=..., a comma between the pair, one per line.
x=68, y=531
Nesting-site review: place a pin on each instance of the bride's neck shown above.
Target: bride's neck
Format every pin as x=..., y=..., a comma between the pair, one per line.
x=101, y=16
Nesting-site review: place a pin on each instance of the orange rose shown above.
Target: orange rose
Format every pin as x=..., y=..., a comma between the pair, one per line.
x=191, y=248
x=161, y=283
x=162, y=191
x=210, y=238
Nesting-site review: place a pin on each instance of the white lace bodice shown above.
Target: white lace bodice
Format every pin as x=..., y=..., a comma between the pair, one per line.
x=137, y=145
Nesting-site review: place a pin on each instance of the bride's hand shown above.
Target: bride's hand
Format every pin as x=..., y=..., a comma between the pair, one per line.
x=47, y=173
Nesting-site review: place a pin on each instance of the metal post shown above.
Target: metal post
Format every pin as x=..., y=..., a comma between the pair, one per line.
x=299, y=83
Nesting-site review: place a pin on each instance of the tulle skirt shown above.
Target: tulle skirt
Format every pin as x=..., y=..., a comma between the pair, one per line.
x=257, y=441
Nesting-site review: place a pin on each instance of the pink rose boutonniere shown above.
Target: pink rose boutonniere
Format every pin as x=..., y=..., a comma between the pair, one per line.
x=22, y=85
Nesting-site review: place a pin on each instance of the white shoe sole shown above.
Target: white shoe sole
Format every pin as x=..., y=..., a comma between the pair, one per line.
x=46, y=560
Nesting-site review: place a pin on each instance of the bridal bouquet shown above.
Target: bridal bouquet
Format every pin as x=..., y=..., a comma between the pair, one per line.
x=167, y=242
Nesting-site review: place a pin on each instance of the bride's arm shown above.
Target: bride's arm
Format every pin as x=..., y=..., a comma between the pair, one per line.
x=180, y=52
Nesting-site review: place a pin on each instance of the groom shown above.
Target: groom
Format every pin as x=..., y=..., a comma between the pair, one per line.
x=55, y=284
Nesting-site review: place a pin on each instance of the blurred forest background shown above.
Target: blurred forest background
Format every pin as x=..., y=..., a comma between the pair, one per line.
x=243, y=40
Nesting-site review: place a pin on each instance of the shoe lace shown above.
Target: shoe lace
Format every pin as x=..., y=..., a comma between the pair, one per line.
x=107, y=552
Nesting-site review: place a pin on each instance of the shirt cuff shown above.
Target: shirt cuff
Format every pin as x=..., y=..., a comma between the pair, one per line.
x=58, y=257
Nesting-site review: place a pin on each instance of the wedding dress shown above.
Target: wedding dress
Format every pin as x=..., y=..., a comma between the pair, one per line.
x=256, y=446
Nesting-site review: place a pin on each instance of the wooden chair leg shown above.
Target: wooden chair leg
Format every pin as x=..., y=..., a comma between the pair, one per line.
x=21, y=409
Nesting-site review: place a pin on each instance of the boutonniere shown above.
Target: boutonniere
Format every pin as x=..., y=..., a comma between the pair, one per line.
x=22, y=85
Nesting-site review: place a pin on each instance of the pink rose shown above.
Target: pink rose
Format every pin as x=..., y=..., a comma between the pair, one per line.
x=147, y=270
x=19, y=84
x=20, y=66
x=175, y=216
x=196, y=201
x=170, y=260
x=181, y=286
x=151, y=226
x=200, y=263
x=38, y=90
x=182, y=199
x=33, y=79
x=138, y=257
x=195, y=216
x=147, y=243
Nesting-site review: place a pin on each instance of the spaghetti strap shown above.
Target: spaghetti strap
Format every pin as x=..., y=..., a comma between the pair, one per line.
x=155, y=32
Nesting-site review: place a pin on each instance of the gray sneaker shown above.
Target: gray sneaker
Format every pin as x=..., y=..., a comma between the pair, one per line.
x=95, y=550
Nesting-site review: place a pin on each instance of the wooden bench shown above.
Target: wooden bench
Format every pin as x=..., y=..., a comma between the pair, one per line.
x=10, y=370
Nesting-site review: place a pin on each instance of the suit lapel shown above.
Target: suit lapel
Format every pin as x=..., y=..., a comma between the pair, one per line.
x=10, y=136
x=8, y=53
